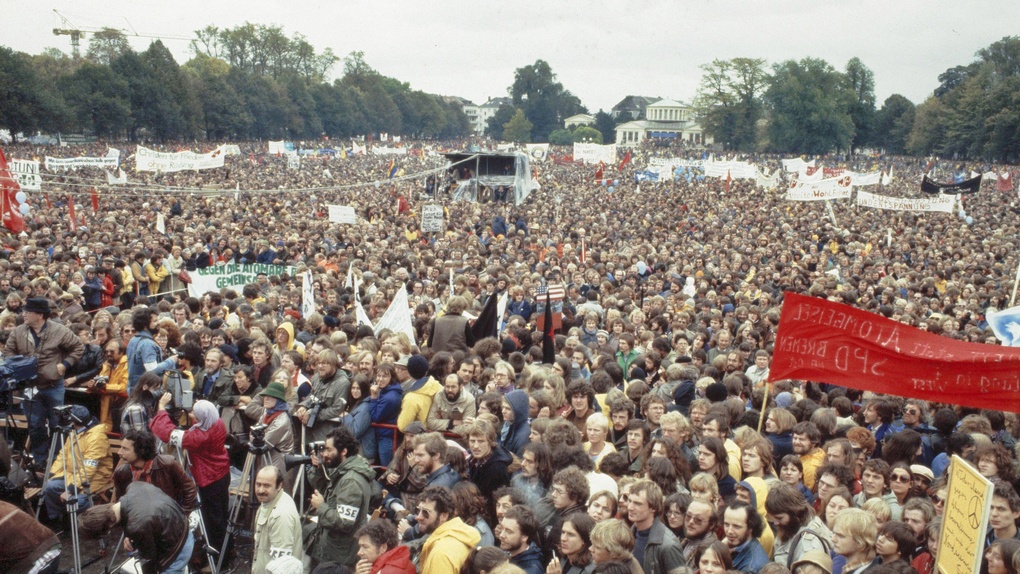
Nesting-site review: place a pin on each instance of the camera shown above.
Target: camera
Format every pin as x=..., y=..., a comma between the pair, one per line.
x=66, y=416
x=17, y=372
x=317, y=446
x=101, y=383
x=181, y=396
x=257, y=435
x=292, y=460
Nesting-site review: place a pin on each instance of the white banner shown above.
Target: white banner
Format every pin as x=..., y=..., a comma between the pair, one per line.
x=938, y=203
x=380, y=150
x=119, y=179
x=538, y=152
x=234, y=275
x=151, y=160
x=872, y=178
x=432, y=217
x=307, y=294
x=231, y=149
x=797, y=164
x=815, y=176
x=594, y=153
x=835, y=188
x=735, y=169
x=112, y=159
x=397, y=317
x=770, y=182
x=293, y=161
x=26, y=171
x=662, y=165
x=342, y=214
x=281, y=147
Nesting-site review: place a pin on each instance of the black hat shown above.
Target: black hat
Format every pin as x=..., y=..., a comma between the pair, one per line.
x=37, y=305
x=417, y=366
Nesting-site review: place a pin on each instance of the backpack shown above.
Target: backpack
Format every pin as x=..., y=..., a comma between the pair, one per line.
x=796, y=541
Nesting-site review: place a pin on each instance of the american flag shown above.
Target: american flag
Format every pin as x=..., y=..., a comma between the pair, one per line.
x=556, y=292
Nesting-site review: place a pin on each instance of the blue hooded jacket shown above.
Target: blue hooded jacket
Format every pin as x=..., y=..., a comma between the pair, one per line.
x=517, y=433
x=386, y=408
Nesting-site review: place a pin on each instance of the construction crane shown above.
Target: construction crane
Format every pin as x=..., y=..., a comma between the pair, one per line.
x=78, y=32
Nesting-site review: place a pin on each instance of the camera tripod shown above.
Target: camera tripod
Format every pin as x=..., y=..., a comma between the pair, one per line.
x=73, y=464
x=257, y=458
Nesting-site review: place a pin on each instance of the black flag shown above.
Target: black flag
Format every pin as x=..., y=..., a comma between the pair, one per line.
x=964, y=187
x=487, y=323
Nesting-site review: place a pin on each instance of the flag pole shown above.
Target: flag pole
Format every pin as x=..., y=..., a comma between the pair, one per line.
x=764, y=403
x=1016, y=282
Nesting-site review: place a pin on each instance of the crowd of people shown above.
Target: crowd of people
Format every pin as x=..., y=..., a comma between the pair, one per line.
x=650, y=441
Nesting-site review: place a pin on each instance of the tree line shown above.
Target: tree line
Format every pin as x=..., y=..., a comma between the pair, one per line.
x=808, y=106
x=248, y=82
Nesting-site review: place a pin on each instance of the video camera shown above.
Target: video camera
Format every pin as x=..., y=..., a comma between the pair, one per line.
x=292, y=460
x=314, y=406
x=17, y=372
x=181, y=397
x=67, y=417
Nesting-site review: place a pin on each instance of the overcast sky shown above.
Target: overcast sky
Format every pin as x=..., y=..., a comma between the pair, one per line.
x=600, y=50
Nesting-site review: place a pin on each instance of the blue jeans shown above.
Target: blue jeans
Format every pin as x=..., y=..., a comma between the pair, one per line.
x=385, y=449
x=42, y=411
x=181, y=562
x=51, y=498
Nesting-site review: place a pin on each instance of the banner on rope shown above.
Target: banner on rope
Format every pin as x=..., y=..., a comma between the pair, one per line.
x=940, y=203
x=151, y=160
x=343, y=214
x=432, y=218
x=658, y=164
x=734, y=169
x=216, y=277
x=281, y=147
x=111, y=159
x=380, y=150
x=594, y=153
x=824, y=190
x=797, y=165
x=26, y=171
x=819, y=340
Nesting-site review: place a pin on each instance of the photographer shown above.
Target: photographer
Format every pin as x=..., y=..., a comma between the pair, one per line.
x=330, y=393
x=56, y=348
x=141, y=404
x=95, y=466
x=344, y=507
x=210, y=465
x=111, y=382
x=85, y=369
x=153, y=525
x=271, y=413
x=144, y=354
x=139, y=453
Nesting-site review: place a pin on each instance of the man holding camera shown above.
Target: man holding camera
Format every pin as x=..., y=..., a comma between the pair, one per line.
x=331, y=389
x=344, y=507
x=95, y=466
x=56, y=348
x=112, y=380
x=277, y=524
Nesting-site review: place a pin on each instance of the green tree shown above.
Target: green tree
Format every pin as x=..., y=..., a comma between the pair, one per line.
x=544, y=100
x=22, y=103
x=587, y=134
x=893, y=123
x=729, y=101
x=929, y=129
x=809, y=108
x=561, y=137
x=224, y=113
x=518, y=129
x=605, y=123
x=106, y=46
x=861, y=84
x=494, y=126
x=95, y=97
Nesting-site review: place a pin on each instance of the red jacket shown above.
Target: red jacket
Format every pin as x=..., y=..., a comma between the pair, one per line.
x=209, y=459
x=395, y=561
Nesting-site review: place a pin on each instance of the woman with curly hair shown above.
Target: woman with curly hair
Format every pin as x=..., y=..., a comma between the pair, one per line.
x=994, y=461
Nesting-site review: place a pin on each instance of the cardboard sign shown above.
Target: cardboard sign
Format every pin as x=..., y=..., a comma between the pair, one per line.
x=964, y=521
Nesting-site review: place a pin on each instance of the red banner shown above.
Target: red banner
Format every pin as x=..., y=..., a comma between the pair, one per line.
x=822, y=341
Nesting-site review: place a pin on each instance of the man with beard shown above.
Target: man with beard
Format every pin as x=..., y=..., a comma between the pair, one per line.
x=743, y=525
x=114, y=377
x=429, y=459
x=139, y=452
x=450, y=539
x=331, y=390
x=620, y=411
x=794, y=520
x=451, y=407
x=699, y=529
x=343, y=482
x=806, y=438
x=519, y=537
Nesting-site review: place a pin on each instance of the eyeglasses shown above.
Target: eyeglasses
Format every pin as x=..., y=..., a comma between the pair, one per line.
x=900, y=478
x=676, y=513
x=912, y=411
x=695, y=519
x=938, y=500
x=424, y=512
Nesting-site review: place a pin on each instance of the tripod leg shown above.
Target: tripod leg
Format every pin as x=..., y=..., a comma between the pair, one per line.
x=47, y=475
x=115, y=551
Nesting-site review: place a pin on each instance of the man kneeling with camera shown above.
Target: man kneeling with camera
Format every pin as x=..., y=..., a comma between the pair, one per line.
x=94, y=466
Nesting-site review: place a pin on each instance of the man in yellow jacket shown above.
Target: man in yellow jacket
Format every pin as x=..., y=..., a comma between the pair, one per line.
x=450, y=539
x=93, y=465
x=417, y=399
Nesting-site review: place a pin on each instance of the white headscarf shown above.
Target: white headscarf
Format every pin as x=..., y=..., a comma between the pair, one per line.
x=206, y=414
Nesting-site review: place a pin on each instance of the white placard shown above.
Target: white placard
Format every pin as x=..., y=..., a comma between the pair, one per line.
x=938, y=203
x=26, y=171
x=432, y=217
x=342, y=214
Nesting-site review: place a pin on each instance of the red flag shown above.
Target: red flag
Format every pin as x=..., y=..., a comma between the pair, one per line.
x=402, y=206
x=1005, y=182
x=48, y=204
x=600, y=172
x=73, y=223
x=729, y=180
x=95, y=201
x=626, y=160
x=584, y=251
x=9, y=188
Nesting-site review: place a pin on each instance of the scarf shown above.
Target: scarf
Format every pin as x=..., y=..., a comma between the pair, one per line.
x=206, y=414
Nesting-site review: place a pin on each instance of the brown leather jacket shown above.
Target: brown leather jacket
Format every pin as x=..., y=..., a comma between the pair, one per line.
x=57, y=344
x=165, y=473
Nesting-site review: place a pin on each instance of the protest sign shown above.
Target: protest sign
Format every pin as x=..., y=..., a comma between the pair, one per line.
x=110, y=160
x=938, y=203
x=819, y=340
x=26, y=171
x=594, y=153
x=964, y=520
x=822, y=190
x=538, y=152
x=342, y=214
x=432, y=218
x=234, y=275
x=732, y=169
x=151, y=160
x=307, y=294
